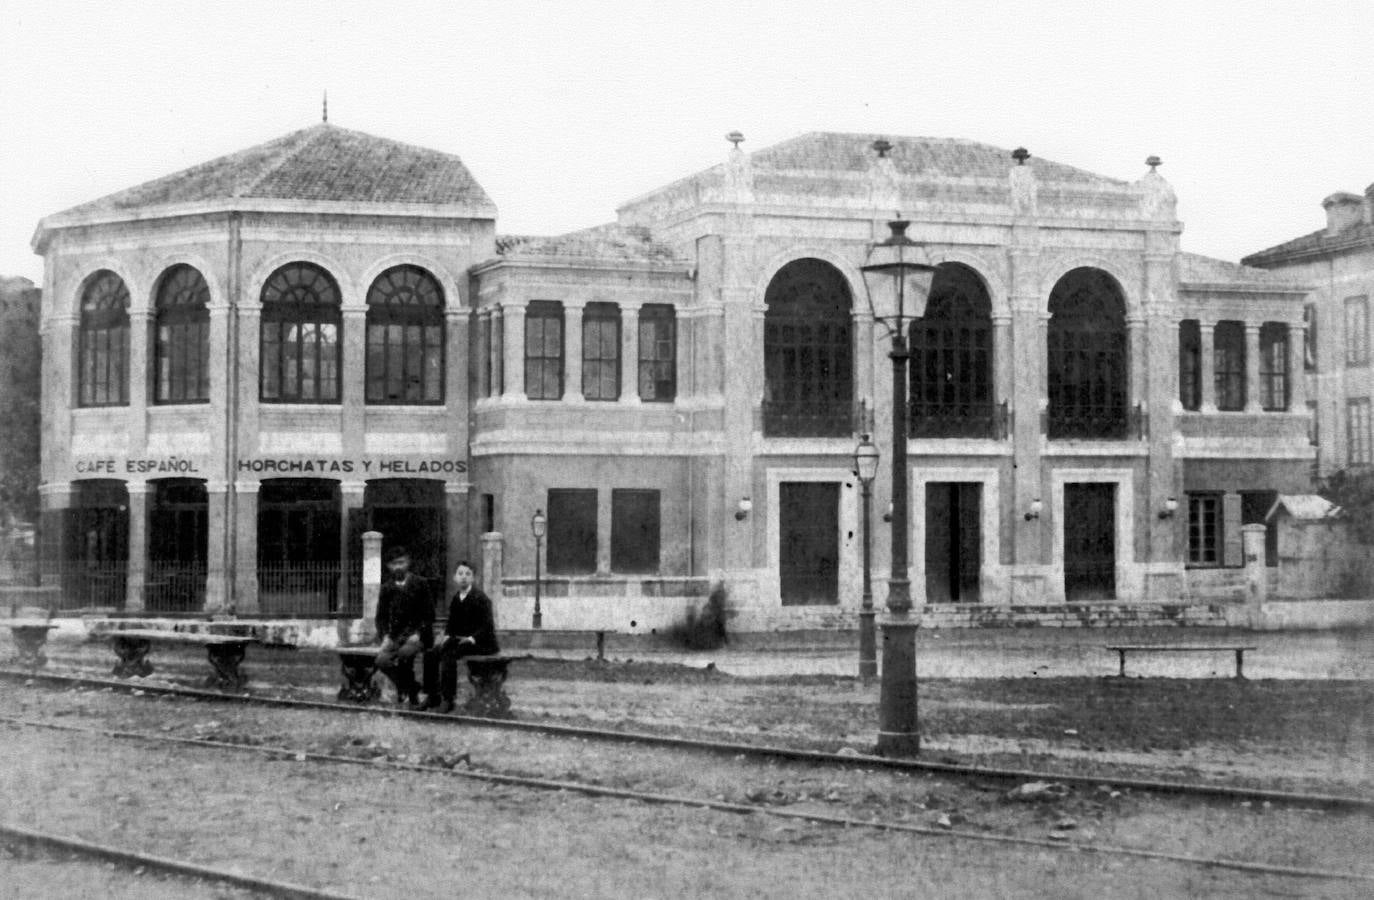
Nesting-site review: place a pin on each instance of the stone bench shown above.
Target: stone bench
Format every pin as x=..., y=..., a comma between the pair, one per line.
x=487, y=675
x=1122, y=649
x=359, y=664
x=224, y=652
x=30, y=635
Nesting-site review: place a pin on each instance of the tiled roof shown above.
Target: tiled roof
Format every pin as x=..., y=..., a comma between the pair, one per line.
x=953, y=157
x=1196, y=268
x=1361, y=232
x=611, y=242
x=1305, y=506
x=320, y=163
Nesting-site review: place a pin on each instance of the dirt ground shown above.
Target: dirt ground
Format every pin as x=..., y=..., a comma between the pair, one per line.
x=361, y=829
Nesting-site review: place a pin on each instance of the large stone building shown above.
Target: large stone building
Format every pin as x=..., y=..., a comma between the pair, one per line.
x=1338, y=261
x=251, y=362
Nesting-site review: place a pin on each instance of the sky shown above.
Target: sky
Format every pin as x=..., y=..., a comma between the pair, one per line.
x=564, y=110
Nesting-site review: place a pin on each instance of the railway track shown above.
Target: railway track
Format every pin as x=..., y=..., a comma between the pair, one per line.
x=731, y=748
x=602, y=791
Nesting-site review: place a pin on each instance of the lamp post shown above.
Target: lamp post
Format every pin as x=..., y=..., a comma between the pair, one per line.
x=539, y=526
x=898, y=285
x=866, y=468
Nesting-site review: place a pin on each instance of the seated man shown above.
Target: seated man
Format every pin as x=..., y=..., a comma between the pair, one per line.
x=470, y=631
x=405, y=622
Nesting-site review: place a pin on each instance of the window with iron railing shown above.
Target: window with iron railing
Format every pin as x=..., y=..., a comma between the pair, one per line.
x=181, y=349
x=103, y=370
x=1086, y=342
x=808, y=353
x=301, y=336
x=405, y=338
x=951, y=360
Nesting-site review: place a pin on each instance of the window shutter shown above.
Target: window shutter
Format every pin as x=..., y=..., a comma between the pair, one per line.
x=1230, y=530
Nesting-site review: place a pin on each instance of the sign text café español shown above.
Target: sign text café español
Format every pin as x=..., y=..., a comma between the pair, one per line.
x=179, y=465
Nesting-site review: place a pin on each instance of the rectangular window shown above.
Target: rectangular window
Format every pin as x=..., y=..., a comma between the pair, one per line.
x=1357, y=331
x=1357, y=425
x=484, y=385
x=1313, y=428
x=1229, y=361
x=1204, y=529
x=1190, y=364
x=544, y=350
x=601, y=352
x=634, y=531
x=1309, y=338
x=1274, y=366
x=657, y=353
x=572, y=531
x=488, y=513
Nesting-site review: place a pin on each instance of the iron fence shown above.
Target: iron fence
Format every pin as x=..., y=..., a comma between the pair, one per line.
x=931, y=419
x=809, y=418
x=175, y=587
x=312, y=589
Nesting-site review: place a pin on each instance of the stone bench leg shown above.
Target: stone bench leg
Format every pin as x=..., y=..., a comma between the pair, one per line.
x=133, y=656
x=1240, y=663
x=488, y=700
x=225, y=659
x=29, y=643
x=358, y=685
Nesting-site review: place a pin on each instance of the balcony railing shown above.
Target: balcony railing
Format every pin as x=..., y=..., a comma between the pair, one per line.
x=304, y=589
x=1095, y=422
x=958, y=420
x=808, y=418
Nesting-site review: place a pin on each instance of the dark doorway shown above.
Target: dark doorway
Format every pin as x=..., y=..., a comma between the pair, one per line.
x=809, y=542
x=98, y=545
x=1090, y=541
x=298, y=546
x=409, y=513
x=954, y=541
x=177, y=546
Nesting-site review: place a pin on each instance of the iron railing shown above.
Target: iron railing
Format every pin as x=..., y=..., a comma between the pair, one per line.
x=808, y=418
x=972, y=419
x=1108, y=421
x=174, y=587
x=302, y=589
x=73, y=584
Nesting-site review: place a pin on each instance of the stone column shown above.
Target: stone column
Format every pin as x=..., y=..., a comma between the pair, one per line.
x=457, y=496
x=496, y=353
x=249, y=351
x=351, y=495
x=1297, y=380
x=353, y=380
x=140, y=363
x=1252, y=367
x=629, y=353
x=216, y=588
x=1208, y=375
x=864, y=353
x=246, y=547
x=1135, y=348
x=137, y=573
x=1256, y=576
x=372, y=584
x=513, y=341
x=482, y=353
x=493, y=564
x=1003, y=377
x=1031, y=329
x=572, y=352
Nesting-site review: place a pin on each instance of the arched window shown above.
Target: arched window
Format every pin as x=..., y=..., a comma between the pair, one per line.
x=181, y=348
x=103, y=377
x=951, y=359
x=405, y=337
x=1087, y=357
x=301, y=325
x=808, y=352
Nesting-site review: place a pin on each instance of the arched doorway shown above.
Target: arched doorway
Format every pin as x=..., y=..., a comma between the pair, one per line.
x=1086, y=356
x=808, y=352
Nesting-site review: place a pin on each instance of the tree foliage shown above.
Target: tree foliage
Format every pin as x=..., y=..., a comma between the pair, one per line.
x=1353, y=490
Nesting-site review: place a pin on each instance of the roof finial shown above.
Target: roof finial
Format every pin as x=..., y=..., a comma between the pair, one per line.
x=735, y=138
x=1020, y=154
x=1154, y=161
x=326, y=106
x=883, y=146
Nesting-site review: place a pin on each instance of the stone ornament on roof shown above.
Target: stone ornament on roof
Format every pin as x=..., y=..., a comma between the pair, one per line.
x=1157, y=198
x=1024, y=191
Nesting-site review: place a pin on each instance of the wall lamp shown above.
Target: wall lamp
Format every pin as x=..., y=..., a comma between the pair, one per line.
x=742, y=510
x=1170, y=507
x=1034, y=511
x=887, y=516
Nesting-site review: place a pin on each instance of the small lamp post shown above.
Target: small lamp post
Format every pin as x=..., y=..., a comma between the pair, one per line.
x=898, y=284
x=539, y=526
x=866, y=468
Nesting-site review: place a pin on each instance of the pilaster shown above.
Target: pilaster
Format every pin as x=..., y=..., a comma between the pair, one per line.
x=1252, y=367
x=513, y=342
x=572, y=349
x=457, y=501
x=353, y=380
x=216, y=588
x=140, y=325
x=457, y=379
x=245, y=573
x=136, y=575
x=1208, y=376
x=629, y=353
x=1297, y=381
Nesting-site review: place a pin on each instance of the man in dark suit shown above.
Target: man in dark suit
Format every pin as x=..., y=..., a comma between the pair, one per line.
x=405, y=622
x=470, y=631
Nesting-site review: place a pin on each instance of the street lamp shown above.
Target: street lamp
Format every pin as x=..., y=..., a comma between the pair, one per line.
x=866, y=468
x=539, y=526
x=898, y=284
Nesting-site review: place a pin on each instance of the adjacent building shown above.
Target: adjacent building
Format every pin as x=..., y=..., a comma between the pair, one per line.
x=250, y=363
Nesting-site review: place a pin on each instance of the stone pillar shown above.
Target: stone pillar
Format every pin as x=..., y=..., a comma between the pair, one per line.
x=353, y=380
x=1256, y=576
x=513, y=342
x=140, y=323
x=249, y=351
x=137, y=573
x=1135, y=348
x=457, y=497
x=863, y=362
x=572, y=353
x=1252, y=367
x=493, y=565
x=1208, y=375
x=1003, y=378
x=372, y=584
x=351, y=494
x=1031, y=328
x=246, y=547
x=629, y=353
x=1297, y=380
x=216, y=586
x=496, y=352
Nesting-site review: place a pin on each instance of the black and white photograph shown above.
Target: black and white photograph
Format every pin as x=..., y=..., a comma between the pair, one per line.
x=691, y=450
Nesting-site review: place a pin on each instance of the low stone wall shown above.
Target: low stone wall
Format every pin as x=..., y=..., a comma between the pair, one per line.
x=988, y=615
x=1281, y=615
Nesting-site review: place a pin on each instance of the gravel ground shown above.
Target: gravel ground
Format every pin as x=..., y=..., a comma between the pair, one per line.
x=384, y=833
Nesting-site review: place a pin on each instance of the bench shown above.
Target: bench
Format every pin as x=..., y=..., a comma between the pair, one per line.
x=536, y=637
x=1239, y=650
x=359, y=664
x=487, y=675
x=224, y=651
x=29, y=637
